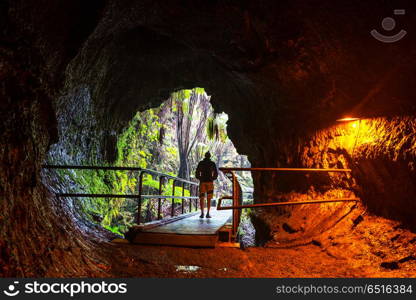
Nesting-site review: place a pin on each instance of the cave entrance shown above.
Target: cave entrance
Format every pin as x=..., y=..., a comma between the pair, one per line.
x=172, y=138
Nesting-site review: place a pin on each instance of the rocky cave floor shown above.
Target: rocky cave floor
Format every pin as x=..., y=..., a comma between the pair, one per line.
x=375, y=247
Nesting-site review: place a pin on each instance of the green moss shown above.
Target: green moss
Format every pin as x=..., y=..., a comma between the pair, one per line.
x=115, y=229
x=143, y=143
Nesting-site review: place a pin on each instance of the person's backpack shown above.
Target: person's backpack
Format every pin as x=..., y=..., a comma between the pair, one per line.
x=214, y=171
x=206, y=171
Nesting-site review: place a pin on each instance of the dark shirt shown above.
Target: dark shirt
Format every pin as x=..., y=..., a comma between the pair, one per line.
x=206, y=171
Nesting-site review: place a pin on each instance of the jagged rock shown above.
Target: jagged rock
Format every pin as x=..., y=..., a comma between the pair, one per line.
x=395, y=237
x=357, y=220
x=120, y=241
x=393, y=265
x=407, y=258
x=74, y=74
x=380, y=254
x=96, y=218
x=316, y=243
x=286, y=227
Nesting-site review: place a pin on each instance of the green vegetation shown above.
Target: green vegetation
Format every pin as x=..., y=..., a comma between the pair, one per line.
x=171, y=139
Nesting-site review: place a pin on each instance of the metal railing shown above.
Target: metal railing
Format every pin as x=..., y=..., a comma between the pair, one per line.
x=236, y=196
x=193, y=188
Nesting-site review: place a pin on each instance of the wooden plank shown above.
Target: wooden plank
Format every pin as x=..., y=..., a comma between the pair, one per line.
x=157, y=223
x=227, y=245
x=192, y=231
x=176, y=239
x=195, y=225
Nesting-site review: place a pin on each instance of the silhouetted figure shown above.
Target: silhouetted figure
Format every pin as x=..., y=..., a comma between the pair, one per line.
x=206, y=172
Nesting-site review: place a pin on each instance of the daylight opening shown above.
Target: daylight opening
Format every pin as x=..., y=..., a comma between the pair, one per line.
x=171, y=139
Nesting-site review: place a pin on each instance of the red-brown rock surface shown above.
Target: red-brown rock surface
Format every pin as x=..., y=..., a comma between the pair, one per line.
x=283, y=70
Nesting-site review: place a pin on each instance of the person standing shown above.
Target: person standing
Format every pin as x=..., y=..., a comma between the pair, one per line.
x=206, y=172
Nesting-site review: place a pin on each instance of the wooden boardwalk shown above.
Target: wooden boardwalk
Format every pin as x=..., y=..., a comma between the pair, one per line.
x=191, y=231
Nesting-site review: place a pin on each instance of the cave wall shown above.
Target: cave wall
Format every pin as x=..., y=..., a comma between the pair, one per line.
x=275, y=62
x=39, y=235
x=74, y=73
x=380, y=153
x=23, y=210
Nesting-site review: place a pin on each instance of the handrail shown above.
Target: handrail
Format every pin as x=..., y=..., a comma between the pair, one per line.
x=92, y=167
x=236, y=191
x=140, y=196
x=127, y=196
x=287, y=169
x=114, y=168
x=313, y=201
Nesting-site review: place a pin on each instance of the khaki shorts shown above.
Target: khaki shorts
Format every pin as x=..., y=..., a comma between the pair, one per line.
x=206, y=187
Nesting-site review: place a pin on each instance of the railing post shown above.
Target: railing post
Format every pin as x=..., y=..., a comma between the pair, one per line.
x=196, y=191
x=173, y=199
x=159, y=201
x=183, y=195
x=235, y=203
x=139, y=209
x=190, y=195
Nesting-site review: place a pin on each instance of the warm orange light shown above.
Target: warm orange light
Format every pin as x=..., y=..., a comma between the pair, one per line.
x=348, y=119
x=353, y=133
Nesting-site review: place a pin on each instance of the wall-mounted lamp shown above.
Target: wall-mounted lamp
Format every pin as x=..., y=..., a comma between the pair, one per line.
x=354, y=125
x=348, y=119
